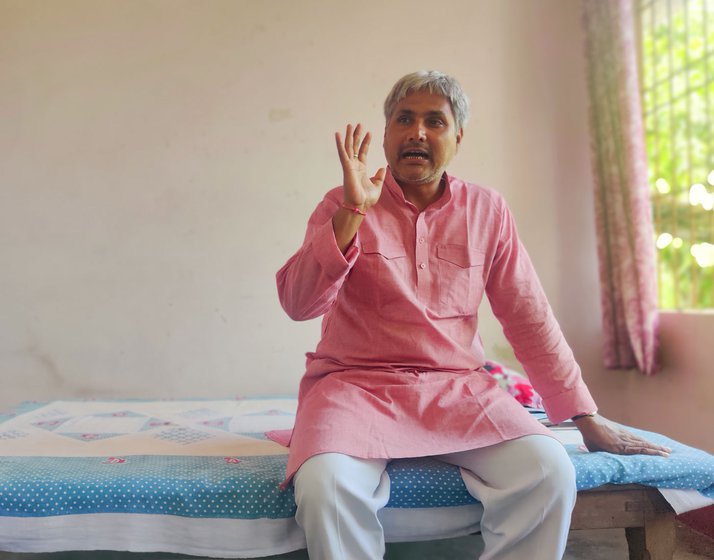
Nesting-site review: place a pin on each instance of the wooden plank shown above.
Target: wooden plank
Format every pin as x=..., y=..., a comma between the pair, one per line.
x=609, y=509
x=636, y=543
x=645, y=515
x=660, y=536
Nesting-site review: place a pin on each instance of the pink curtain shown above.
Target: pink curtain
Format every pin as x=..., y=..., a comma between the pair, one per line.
x=623, y=213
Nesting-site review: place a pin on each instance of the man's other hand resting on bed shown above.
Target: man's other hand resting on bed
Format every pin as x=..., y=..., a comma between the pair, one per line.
x=601, y=434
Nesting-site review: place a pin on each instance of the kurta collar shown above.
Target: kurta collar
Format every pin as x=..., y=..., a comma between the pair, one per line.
x=396, y=191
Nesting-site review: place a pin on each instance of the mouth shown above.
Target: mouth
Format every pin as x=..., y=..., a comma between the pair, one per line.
x=414, y=154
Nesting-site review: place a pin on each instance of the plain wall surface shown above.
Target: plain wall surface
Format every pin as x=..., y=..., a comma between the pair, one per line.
x=159, y=161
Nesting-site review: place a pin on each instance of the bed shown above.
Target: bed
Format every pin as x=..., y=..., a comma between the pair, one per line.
x=201, y=477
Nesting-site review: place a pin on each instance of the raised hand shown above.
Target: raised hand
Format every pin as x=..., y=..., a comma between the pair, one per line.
x=360, y=190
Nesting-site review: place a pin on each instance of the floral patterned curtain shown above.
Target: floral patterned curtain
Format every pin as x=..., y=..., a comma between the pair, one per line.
x=623, y=213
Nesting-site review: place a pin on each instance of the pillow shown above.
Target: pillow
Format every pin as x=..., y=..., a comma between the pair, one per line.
x=514, y=383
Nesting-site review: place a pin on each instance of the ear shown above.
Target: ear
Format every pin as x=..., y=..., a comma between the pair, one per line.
x=459, y=136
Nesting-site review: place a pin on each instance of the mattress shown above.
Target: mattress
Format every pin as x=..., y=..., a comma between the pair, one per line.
x=202, y=477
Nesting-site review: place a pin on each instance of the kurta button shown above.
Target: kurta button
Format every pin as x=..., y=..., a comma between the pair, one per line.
x=422, y=266
x=421, y=240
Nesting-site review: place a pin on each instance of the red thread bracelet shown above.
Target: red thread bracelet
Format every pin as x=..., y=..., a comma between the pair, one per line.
x=354, y=209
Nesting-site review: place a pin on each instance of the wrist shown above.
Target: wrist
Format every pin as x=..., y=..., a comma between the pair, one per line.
x=584, y=415
x=355, y=208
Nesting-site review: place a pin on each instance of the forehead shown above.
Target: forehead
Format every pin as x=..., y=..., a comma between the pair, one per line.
x=424, y=102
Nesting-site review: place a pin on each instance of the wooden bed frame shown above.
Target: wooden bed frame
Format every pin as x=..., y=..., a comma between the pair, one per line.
x=649, y=522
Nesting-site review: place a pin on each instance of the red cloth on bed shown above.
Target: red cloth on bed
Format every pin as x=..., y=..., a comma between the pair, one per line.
x=701, y=520
x=397, y=370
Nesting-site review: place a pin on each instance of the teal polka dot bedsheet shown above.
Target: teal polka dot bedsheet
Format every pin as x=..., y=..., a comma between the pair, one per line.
x=211, y=459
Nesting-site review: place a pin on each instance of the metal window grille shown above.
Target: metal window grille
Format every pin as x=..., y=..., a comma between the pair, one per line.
x=676, y=53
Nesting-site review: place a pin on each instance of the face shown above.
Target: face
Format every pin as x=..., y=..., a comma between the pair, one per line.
x=421, y=138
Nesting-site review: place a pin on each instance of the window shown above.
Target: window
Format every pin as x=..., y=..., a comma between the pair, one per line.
x=677, y=78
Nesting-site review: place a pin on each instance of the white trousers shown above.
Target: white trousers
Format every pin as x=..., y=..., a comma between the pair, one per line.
x=526, y=487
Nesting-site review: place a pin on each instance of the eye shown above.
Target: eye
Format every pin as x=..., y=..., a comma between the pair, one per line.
x=436, y=122
x=403, y=119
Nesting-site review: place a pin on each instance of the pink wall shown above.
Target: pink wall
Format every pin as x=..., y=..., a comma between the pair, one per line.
x=160, y=160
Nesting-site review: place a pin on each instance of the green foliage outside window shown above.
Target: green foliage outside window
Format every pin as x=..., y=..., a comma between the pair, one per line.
x=677, y=60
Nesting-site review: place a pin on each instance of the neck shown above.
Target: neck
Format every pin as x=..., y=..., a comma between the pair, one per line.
x=422, y=195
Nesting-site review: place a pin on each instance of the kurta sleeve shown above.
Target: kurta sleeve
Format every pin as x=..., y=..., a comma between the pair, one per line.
x=519, y=303
x=310, y=280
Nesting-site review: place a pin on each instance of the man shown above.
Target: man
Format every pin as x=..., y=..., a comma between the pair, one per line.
x=398, y=263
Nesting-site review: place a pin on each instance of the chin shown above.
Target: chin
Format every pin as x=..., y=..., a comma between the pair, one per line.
x=416, y=179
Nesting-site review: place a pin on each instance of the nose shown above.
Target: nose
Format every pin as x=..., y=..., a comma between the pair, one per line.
x=417, y=132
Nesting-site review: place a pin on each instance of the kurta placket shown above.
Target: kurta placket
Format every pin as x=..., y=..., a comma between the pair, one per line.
x=423, y=268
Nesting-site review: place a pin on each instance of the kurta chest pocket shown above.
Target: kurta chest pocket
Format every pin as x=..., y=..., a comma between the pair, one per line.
x=460, y=280
x=386, y=262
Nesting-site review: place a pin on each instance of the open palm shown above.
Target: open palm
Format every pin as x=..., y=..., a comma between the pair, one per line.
x=360, y=190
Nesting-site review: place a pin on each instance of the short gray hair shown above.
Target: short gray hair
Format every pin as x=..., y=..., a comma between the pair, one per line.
x=433, y=82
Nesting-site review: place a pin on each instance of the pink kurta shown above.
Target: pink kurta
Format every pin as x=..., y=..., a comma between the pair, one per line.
x=396, y=372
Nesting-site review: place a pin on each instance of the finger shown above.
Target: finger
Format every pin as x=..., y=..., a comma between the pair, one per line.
x=631, y=438
x=341, y=148
x=356, y=140
x=633, y=445
x=631, y=449
x=656, y=452
x=349, y=139
x=378, y=178
x=637, y=441
x=364, y=147
x=649, y=448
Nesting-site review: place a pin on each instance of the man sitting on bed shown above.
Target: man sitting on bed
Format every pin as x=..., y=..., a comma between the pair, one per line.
x=398, y=264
